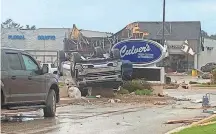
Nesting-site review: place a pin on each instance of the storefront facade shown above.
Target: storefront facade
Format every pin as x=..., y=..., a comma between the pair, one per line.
x=208, y=55
x=176, y=33
x=39, y=39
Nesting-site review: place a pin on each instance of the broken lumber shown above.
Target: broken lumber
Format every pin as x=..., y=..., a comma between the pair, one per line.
x=183, y=121
x=208, y=123
x=204, y=120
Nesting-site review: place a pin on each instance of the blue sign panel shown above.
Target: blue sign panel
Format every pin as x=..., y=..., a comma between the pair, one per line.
x=16, y=37
x=46, y=37
x=140, y=51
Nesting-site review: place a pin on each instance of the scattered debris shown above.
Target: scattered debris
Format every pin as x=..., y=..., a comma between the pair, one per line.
x=183, y=85
x=160, y=95
x=132, y=93
x=182, y=99
x=171, y=86
x=160, y=103
x=74, y=92
x=208, y=123
x=91, y=97
x=117, y=100
x=183, y=121
x=209, y=111
x=192, y=107
x=111, y=101
x=98, y=96
x=114, y=100
x=205, y=120
x=197, y=101
x=83, y=98
x=124, y=124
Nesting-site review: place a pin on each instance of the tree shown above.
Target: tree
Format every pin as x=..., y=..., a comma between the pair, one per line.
x=205, y=34
x=9, y=23
x=213, y=36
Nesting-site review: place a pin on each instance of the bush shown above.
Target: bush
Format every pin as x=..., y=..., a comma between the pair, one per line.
x=134, y=85
x=143, y=92
x=123, y=91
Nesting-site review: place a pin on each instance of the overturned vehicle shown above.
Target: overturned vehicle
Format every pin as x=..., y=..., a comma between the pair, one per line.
x=89, y=72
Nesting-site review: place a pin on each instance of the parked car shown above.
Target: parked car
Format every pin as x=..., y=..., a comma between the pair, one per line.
x=24, y=84
x=51, y=67
x=208, y=67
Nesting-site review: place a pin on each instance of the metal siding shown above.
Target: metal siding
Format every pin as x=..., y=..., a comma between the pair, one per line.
x=207, y=56
x=31, y=38
x=181, y=30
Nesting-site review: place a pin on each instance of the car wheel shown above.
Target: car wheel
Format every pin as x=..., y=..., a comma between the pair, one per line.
x=50, y=109
x=84, y=92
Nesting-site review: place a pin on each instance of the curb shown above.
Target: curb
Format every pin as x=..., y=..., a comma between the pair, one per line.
x=177, y=129
x=192, y=125
x=204, y=120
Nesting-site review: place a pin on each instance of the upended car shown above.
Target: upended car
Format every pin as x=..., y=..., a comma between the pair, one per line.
x=24, y=84
x=208, y=67
x=99, y=70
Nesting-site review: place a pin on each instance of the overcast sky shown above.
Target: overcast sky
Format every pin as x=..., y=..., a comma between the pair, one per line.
x=107, y=15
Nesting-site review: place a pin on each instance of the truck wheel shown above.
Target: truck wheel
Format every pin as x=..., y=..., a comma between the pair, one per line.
x=50, y=109
x=84, y=92
x=116, y=53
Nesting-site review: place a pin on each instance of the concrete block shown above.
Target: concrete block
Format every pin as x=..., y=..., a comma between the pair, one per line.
x=63, y=91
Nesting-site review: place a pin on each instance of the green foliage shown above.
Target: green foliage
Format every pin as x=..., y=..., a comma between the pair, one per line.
x=134, y=85
x=123, y=91
x=208, y=129
x=9, y=23
x=143, y=92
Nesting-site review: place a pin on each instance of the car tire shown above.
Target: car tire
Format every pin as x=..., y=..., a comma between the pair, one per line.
x=84, y=92
x=50, y=109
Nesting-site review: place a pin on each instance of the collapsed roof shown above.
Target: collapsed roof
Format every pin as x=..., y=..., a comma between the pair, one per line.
x=176, y=31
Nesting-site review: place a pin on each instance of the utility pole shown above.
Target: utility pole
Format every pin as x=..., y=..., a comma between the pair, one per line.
x=164, y=5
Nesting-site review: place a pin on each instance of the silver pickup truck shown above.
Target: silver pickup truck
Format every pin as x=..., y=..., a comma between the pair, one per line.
x=98, y=70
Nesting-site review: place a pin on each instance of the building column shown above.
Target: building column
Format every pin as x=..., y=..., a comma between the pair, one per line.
x=196, y=61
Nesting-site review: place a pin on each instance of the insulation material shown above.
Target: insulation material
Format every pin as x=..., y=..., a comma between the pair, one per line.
x=185, y=48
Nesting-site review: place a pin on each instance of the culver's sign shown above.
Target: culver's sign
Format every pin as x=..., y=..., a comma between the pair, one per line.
x=140, y=51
